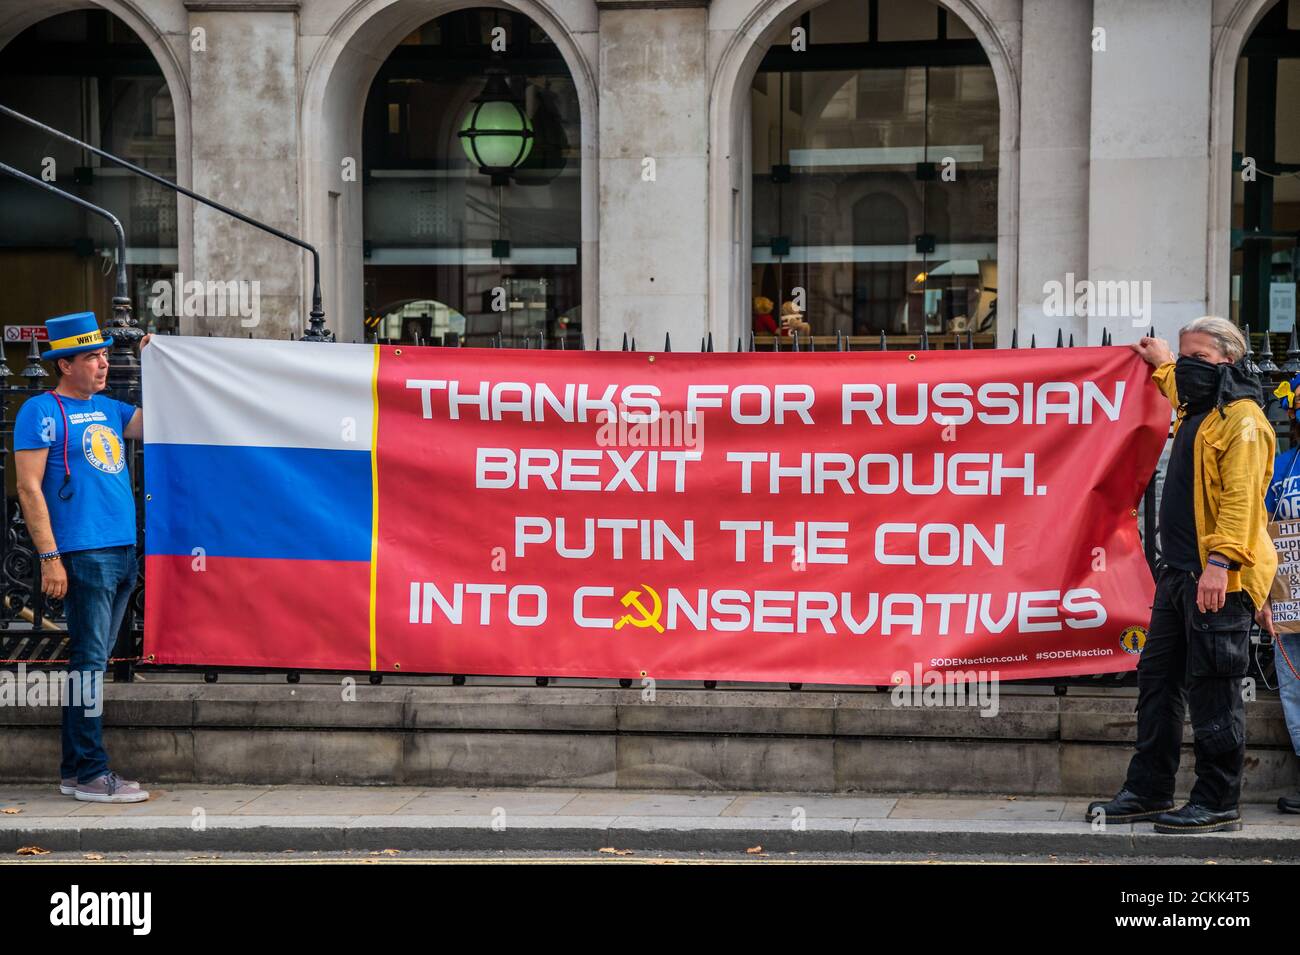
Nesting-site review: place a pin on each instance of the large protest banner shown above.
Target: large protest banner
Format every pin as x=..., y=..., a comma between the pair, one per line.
x=816, y=517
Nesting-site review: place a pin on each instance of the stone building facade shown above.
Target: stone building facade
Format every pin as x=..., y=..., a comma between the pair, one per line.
x=1114, y=142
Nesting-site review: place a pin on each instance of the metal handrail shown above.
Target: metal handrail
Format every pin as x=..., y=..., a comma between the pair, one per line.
x=317, y=330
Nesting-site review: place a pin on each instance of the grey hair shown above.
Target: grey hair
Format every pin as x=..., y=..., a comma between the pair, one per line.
x=1227, y=336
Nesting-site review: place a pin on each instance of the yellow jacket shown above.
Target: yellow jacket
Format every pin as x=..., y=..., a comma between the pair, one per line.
x=1233, y=463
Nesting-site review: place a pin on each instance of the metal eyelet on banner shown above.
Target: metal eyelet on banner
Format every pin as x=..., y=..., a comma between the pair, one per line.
x=397, y=351
x=911, y=357
x=651, y=357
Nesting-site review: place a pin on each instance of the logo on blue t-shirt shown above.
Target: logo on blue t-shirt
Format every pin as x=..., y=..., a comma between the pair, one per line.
x=103, y=449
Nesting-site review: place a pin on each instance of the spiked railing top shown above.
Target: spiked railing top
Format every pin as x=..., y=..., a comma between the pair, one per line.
x=1291, y=366
x=1251, y=367
x=34, y=368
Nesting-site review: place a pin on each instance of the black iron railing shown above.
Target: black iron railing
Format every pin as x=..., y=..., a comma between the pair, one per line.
x=32, y=627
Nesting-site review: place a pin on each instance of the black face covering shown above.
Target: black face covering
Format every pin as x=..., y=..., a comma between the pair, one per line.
x=1197, y=381
x=1203, y=385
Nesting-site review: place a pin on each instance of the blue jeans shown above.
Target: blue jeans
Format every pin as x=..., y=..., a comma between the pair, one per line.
x=1288, y=686
x=99, y=587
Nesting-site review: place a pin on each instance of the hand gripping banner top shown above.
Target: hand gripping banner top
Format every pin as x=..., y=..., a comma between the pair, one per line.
x=849, y=518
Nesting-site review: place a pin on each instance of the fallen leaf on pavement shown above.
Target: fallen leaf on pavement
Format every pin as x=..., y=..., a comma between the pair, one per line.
x=92, y=856
x=10, y=811
x=33, y=851
x=616, y=852
x=755, y=850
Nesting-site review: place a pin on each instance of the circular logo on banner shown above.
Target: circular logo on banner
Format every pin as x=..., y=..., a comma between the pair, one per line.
x=1133, y=639
x=102, y=448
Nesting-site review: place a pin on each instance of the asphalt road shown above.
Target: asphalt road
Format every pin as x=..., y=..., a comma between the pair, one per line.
x=615, y=857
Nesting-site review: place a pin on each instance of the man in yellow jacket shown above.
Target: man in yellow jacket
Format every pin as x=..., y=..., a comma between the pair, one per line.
x=1217, y=565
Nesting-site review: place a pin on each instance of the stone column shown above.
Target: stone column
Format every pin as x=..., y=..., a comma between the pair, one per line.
x=245, y=132
x=1054, y=139
x=653, y=93
x=1148, y=180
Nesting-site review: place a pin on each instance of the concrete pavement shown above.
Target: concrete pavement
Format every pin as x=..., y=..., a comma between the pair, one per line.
x=333, y=818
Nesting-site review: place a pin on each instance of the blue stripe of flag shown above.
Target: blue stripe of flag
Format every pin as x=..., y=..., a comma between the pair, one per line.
x=287, y=503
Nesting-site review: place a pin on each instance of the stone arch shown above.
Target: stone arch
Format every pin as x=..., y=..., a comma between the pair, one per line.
x=337, y=80
x=1229, y=40
x=729, y=159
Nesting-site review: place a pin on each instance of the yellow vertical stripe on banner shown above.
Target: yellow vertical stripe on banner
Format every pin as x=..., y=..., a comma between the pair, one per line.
x=374, y=500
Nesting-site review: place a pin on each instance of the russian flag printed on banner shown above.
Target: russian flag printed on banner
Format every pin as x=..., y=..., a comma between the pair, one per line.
x=275, y=538
x=259, y=482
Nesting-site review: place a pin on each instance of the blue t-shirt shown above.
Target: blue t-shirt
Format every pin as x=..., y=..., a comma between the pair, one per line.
x=100, y=511
x=1284, y=486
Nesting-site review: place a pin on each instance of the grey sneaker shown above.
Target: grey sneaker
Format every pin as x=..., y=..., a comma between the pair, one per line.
x=110, y=787
x=68, y=785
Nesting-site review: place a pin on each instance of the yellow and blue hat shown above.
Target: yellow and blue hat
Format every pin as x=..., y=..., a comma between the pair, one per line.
x=74, y=333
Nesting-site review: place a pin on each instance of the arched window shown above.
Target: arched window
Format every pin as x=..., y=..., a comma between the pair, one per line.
x=87, y=73
x=503, y=255
x=875, y=172
x=1265, y=261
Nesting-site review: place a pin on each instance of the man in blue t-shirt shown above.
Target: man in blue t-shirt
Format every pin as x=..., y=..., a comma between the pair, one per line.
x=75, y=492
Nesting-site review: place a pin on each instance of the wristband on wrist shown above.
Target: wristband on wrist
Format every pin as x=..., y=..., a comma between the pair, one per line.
x=49, y=555
x=1218, y=563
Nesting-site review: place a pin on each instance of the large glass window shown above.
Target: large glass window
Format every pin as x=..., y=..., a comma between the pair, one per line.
x=875, y=166
x=87, y=73
x=1266, y=181
x=436, y=227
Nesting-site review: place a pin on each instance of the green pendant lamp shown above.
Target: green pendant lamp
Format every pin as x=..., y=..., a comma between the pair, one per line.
x=496, y=133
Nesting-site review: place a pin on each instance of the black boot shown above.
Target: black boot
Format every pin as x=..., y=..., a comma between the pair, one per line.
x=1193, y=818
x=1289, y=803
x=1128, y=807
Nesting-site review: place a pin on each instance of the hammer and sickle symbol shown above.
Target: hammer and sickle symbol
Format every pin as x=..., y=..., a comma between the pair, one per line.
x=649, y=618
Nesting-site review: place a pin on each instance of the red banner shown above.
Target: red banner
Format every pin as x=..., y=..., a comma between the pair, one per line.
x=816, y=517
x=854, y=518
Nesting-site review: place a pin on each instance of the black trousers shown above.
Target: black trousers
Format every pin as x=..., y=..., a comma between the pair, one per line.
x=1197, y=659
